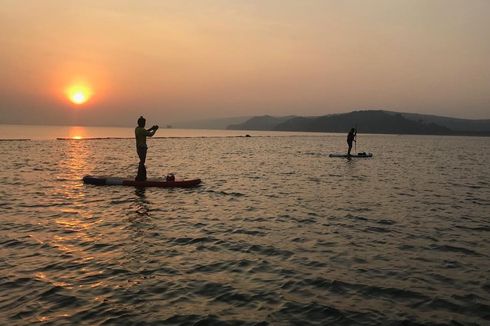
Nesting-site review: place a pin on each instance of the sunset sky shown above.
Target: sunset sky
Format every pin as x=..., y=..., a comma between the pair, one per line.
x=187, y=60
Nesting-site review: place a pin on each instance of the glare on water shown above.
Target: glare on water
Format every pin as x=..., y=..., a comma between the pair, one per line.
x=278, y=232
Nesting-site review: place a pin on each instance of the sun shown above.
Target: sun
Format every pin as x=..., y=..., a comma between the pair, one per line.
x=79, y=98
x=78, y=94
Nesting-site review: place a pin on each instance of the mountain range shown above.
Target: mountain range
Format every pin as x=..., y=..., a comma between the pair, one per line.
x=370, y=121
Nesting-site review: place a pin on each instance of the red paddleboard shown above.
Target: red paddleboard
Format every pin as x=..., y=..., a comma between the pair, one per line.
x=158, y=182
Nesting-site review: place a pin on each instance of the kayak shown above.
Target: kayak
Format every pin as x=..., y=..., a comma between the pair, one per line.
x=358, y=155
x=158, y=182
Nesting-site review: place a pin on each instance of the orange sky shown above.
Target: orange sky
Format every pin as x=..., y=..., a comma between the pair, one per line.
x=179, y=60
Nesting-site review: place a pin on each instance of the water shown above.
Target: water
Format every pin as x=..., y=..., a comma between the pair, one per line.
x=27, y=132
x=278, y=234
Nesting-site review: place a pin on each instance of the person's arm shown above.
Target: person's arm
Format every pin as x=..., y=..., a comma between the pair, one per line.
x=151, y=131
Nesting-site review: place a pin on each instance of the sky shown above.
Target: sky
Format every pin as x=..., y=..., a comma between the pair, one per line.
x=189, y=60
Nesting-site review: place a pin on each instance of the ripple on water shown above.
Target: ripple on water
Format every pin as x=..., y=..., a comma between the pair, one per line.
x=277, y=234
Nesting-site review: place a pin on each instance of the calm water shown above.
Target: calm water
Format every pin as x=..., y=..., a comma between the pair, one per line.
x=278, y=234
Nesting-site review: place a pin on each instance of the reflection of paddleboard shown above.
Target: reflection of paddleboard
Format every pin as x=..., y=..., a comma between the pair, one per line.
x=159, y=182
x=358, y=155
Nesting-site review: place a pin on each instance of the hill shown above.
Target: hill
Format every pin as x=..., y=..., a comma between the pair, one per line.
x=451, y=123
x=265, y=122
x=220, y=123
x=371, y=121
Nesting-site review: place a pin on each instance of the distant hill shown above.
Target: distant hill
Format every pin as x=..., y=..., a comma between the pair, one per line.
x=370, y=121
x=265, y=122
x=451, y=123
x=221, y=123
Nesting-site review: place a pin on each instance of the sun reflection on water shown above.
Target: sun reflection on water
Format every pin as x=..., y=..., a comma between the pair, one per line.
x=74, y=221
x=76, y=159
x=77, y=132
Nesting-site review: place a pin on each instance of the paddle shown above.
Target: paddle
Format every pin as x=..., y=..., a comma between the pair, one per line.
x=355, y=141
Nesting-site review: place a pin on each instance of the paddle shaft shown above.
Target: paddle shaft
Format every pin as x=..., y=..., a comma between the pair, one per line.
x=355, y=141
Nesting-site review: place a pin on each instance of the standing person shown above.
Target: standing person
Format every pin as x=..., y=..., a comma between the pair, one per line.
x=350, y=138
x=141, y=148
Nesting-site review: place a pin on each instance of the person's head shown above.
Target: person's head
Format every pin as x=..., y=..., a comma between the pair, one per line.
x=141, y=122
x=352, y=130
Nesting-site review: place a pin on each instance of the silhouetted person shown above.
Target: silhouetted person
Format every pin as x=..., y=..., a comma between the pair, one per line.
x=141, y=133
x=350, y=138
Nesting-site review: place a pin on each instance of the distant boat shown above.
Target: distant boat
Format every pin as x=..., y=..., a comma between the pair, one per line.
x=169, y=126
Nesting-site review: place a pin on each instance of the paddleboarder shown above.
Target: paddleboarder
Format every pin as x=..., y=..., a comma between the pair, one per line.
x=141, y=148
x=350, y=138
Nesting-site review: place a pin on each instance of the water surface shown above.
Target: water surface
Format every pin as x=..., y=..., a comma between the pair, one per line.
x=278, y=234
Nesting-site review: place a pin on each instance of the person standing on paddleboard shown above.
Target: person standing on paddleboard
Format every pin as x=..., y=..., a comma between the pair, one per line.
x=141, y=148
x=350, y=138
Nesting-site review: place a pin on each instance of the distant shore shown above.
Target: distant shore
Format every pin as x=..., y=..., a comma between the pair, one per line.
x=371, y=122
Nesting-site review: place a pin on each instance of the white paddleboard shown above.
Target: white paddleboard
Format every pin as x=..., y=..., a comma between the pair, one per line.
x=358, y=155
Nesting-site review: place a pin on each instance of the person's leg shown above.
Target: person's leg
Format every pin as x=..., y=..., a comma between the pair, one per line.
x=350, y=147
x=141, y=166
x=141, y=172
x=142, y=154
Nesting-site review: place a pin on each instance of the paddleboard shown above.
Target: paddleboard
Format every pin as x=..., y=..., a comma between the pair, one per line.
x=358, y=155
x=158, y=182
